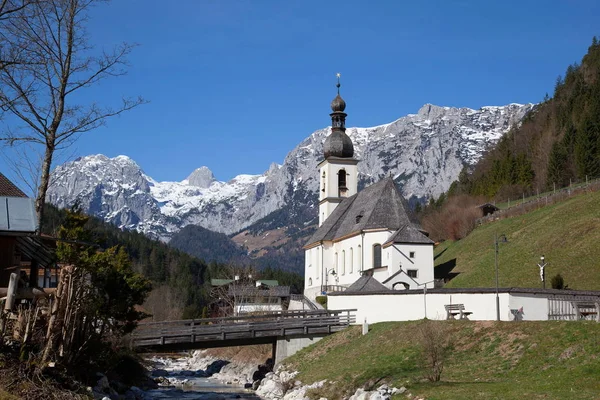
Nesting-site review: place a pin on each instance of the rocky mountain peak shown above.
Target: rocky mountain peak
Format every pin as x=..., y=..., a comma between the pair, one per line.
x=425, y=152
x=201, y=177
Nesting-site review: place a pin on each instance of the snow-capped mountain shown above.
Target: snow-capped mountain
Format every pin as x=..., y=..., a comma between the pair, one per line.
x=424, y=152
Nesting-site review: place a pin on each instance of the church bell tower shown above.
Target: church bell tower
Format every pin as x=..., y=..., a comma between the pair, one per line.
x=338, y=173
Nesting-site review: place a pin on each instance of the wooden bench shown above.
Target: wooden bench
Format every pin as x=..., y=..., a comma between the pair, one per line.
x=585, y=309
x=452, y=310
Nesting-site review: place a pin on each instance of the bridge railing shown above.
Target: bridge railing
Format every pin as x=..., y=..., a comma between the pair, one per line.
x=273, y=315
x=277, y=324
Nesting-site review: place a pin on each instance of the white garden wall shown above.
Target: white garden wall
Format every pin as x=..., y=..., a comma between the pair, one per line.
x=403, y=306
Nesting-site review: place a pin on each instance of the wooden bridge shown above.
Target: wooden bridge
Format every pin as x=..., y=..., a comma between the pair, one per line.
x=238, y=331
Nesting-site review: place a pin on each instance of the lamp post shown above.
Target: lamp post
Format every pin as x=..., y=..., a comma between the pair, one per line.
x=497, y=240
x=542, y=264
x=333, y=273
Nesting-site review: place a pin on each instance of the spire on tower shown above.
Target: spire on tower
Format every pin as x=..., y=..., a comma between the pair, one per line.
x=338, y=144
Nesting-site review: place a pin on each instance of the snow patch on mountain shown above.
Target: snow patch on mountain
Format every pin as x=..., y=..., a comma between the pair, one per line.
x=425, y=152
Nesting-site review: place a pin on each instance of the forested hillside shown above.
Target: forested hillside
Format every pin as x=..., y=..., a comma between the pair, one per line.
x=181, y=282
x=558, y=141
x=208, y=245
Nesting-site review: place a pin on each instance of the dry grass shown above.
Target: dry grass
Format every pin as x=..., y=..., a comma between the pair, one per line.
x=257, y=243
x=18, y=380
x=455, y=220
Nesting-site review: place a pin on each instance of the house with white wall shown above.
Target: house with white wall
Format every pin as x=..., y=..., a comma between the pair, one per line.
x=370, y=232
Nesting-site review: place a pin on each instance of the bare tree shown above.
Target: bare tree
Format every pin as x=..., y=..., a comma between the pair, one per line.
x=43, y=93
x=230, y=295
x=433, y=340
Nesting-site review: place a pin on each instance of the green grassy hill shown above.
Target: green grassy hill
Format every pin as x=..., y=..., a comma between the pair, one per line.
x=566, y=233
x=487, y=360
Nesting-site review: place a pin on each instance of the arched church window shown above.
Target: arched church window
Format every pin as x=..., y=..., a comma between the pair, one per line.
x=319, y=249
x=351, y=260
x=360, y=257
x=343, y=262
x=309, y=282
x=323, y=189
x=336, y=263
x=377, y=256
x=342, y=179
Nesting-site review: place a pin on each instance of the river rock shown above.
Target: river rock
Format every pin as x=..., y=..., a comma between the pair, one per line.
x=360, y=394
x=271, y=388
x=102, y=384
x=103, y=389
x=380, y=394
x=398, y=391
x=160, y=372
x=129, y=395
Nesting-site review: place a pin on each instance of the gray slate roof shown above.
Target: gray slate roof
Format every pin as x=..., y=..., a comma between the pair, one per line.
x=381, y=206
x=408, y=234
x=17, y=214
x=366, y=283
x=253, y=291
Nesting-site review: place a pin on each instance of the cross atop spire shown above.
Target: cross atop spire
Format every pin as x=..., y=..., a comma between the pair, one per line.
x=338, y=81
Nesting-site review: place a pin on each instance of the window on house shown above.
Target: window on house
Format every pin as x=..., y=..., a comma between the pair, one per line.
x=412, y=273
x=376, y=256
x=412, y=254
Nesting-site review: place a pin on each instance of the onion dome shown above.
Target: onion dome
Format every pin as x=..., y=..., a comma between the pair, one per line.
x=338, y=144
x=338, y=104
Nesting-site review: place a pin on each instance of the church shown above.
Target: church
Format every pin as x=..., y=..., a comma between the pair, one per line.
x=371, y=234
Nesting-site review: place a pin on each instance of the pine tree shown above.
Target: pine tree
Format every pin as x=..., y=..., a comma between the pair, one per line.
x=556, y=166
x=586, y=152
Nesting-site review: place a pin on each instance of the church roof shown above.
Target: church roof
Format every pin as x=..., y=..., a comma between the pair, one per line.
x=378, y=206
x=408, y=234
x=366, y=283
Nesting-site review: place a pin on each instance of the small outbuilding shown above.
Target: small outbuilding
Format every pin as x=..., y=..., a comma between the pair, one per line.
x=487, y=209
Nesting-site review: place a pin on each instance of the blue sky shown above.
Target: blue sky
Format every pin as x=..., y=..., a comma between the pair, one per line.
x=235, y=85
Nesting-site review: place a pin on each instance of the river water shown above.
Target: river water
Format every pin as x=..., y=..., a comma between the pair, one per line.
x=186, y=384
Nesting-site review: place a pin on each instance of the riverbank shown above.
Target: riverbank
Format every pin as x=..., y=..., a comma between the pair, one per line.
x=208, y=374
x=492, y=360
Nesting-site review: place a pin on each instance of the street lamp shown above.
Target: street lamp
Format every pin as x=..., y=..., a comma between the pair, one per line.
x=542, y=264
x=333, y=273
x=497, y=240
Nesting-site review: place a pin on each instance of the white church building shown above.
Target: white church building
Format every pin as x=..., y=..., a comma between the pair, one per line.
x=371, y=233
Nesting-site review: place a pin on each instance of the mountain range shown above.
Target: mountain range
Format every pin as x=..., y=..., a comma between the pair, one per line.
x=424, y=152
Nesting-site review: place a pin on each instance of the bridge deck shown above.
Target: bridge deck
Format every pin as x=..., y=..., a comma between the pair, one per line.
x=216, y=332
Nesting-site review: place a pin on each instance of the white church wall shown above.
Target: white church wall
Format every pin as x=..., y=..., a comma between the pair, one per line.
x=330, y=182
x=412, y=257
x=415, y=306
x=529, y=306
x=328, y=178
x=348, y=270
x=349, y=257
